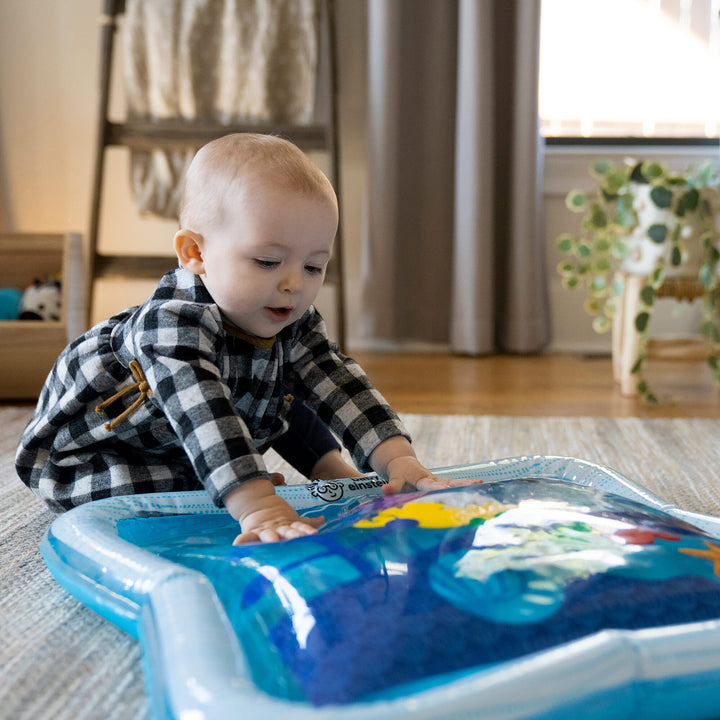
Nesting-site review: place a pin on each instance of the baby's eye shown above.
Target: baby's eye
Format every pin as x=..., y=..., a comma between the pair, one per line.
x=266, y=264
x=313, y=269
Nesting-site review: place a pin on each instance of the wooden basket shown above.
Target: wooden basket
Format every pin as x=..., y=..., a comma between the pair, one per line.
x=28, y=348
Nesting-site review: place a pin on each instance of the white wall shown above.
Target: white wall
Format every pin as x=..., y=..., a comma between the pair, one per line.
x=49, y=60
x=48, y=79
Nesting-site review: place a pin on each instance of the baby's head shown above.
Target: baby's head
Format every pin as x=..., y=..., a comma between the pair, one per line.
x=258, y=220
x=244, y=165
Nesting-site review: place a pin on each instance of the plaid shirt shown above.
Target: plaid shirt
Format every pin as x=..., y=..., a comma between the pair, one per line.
x=197, y=403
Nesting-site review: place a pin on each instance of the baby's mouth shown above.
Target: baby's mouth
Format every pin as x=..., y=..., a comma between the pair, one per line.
x=281, y=313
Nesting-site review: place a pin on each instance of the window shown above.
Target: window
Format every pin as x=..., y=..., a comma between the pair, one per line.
x=630, y=68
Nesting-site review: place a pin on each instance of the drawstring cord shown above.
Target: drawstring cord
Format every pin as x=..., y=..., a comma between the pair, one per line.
x=140, y=384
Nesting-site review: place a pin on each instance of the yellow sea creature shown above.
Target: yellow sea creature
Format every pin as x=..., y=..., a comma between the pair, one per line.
x=435, y=515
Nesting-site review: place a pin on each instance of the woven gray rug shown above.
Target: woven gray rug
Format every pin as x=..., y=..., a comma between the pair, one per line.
x=61, y=661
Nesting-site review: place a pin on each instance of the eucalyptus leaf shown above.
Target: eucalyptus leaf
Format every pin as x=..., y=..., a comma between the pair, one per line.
x=601, y=167
x=647, y=295
x=636, y=175
x=601, y=265
x=657, y=277
x=566, y=268
x=641, y=321
x=653, y=171
x=576, y=200
x=657, y=233
x=619, y=249
x=710, y=302
x=601, y=324
x=689, y=201
x=706, y=175
x=601, y=245
x=615, y=180
x=709, y=330
x=592, y=306
x=707, y=277
x=565, y=243
x=608, y=197
x=624, y=218
x=676, y=256
x=661, y=197
x=598, y=217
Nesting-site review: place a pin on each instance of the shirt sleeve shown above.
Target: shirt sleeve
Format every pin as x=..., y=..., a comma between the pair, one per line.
x=338, y=389
x=179, y=347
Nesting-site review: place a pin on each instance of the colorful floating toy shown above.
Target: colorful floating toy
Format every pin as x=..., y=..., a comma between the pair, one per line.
x=555, y=588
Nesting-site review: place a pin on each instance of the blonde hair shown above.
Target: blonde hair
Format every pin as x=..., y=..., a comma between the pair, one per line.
x=245, y=161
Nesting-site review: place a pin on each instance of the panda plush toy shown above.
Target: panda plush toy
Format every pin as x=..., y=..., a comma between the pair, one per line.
x=41, y=301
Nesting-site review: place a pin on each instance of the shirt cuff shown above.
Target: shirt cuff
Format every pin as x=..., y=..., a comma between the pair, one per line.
x=233, y=474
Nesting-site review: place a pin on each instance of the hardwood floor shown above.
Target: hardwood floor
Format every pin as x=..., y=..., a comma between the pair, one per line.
x=547, y=385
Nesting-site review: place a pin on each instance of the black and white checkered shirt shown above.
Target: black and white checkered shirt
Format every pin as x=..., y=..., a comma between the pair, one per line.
x=201, y=402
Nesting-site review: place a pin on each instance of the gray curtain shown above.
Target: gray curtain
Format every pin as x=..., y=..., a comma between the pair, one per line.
x=454, y=243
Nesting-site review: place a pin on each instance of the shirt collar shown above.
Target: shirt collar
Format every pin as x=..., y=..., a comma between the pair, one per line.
x=235, y=331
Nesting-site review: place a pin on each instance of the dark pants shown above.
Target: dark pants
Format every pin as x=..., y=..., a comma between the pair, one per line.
x=306, y=440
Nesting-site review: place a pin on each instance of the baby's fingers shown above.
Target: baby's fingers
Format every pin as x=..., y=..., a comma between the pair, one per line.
x=435, y=483
x=248, y=537
x=432, y=483
x=277, y=479
x=314, y=522
x=395, y=486
x=298, y=528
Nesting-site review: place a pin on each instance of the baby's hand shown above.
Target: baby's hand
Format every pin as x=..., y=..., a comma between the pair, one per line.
x=264, y=516
x=275, y=520
x=407, y=473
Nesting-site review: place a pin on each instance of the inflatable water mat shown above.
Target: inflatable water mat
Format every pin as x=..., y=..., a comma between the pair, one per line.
x=547, y=587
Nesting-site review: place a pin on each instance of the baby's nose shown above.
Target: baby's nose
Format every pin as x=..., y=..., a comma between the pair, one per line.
x=291, y=280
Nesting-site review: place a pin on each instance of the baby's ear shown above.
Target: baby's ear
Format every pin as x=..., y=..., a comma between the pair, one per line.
x=188, y=247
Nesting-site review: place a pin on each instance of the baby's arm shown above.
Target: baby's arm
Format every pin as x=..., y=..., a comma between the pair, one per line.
x=264, y=516
x=395, y=460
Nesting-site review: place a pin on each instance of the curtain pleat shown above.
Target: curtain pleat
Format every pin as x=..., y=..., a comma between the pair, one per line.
x=454, y=248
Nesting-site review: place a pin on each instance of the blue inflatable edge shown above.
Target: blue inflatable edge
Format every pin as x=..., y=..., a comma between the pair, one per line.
x=194, y=666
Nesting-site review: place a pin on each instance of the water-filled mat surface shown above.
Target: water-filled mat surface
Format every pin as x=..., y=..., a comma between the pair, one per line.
x=553, y=585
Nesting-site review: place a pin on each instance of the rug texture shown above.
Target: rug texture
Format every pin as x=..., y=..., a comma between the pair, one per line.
x=60, y=660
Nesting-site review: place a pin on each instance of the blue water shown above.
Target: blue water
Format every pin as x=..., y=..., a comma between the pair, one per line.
x=358, y=612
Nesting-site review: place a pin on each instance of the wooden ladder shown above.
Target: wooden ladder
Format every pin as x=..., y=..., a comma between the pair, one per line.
x=321, y=135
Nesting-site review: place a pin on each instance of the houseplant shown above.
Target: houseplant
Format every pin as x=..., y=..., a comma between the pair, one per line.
x=644, y=220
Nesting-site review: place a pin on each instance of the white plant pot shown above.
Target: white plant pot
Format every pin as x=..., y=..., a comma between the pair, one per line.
x=643, y=253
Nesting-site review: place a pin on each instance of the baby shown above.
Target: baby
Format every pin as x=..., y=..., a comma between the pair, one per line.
x=227, y=358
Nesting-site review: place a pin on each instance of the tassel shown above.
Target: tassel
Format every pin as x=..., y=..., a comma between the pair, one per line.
x=140, y=384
